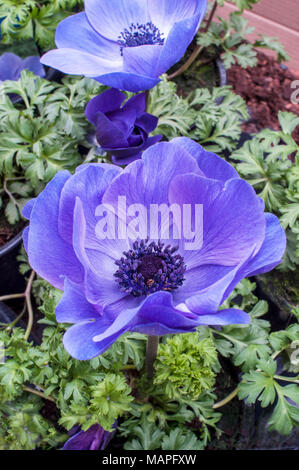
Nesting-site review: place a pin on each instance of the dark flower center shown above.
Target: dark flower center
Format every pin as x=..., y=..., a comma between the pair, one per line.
x=140, y=35
x=150, y=267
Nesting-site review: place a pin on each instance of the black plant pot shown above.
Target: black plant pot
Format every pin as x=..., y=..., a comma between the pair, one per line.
x=54, y=75
x=11, y=280
x=7, y=315
x=222, y=72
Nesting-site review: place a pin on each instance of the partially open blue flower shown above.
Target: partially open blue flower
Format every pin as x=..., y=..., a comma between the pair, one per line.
x=95, y=438
x=122, y=131
x=12, y=65
x=156, y=286
x=126, y=44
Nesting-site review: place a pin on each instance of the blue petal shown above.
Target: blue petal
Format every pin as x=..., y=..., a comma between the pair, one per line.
x=152, y=141
x=211, y=165
x=10, y=66
x=119, y=326
x=142, y=60
x=89, y=183
x=49, y=255
x=124, y=119
x=119, y=160
x=180, y=36
x=89, y=339
x=137, y=102
x=209, y=299
x=75, y=32
x=76, y=62
x=109, y=134
x=147, y=122
x=33, y=64
x=127, y=81
x=111, y=17
x=156, y=314
x=25, y=238
x=108, y=101
x=78, y=340
x=27, y=209
x=147, y=181
x=233, y=220
x=99, y=267
x=231, y=316
x=73, y=306
x=269, y=256
x=158, y=308
x=165, y=13
x=272, y=250
x=198, y=279
x=92, y=439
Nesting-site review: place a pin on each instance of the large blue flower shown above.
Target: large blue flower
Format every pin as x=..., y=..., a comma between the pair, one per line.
x=156, y=286
x=12, y=65
x=122, y=131
x=126, y=44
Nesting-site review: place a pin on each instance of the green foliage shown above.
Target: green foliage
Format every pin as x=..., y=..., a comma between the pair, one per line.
x=174, y=113
x=262, y=385
x=32, y=19
x=160, y=422
x=229, y=38
x=24, y=428
x=241, y=4
x=109, y=399
x=179, y=439
x=40, y=134
x=157, y=415
x=273, y=44
x=149, y=437
x=185, y=365
x=213, y=119
x=245, y=344
x=217, y=118
x=253, y=348
x=270, y=163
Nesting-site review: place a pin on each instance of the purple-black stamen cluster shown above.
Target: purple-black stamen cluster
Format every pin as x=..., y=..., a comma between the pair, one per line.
x=140, y=35
x=150, y=267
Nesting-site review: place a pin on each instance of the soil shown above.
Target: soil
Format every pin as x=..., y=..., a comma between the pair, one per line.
x=266, y=89
x=7, y=231
x=203, y=73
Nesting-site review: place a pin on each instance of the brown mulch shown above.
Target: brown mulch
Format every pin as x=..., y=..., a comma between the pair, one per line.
x=7, y=231
x=266, y=89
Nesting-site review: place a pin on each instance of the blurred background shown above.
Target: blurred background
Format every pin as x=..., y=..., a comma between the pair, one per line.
x=278, y=18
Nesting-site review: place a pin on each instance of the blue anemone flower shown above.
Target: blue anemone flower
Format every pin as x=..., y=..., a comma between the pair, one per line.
x=126, y=44
x=122, y=131
x=139, y=281
x=95, y=438
x=12, y=65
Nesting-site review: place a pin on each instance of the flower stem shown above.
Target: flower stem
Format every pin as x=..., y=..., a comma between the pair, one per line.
x=197, y=49
x=38, y=393
x=147, y=100
x=29, y=306
x=226, y=400
x=151, y=354
x=10, y=297
x=187, y=64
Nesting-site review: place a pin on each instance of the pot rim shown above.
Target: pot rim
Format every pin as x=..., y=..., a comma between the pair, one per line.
x=13, y=243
